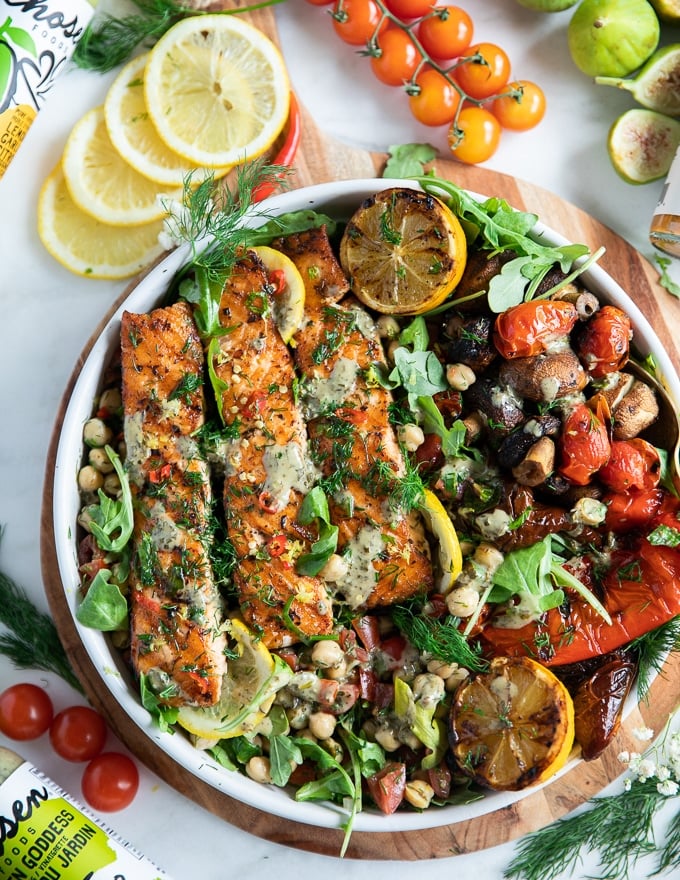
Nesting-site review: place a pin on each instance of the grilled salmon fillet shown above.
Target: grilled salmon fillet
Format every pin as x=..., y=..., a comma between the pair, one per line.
x=352, y=440
x=175, y=610
x=267, y=471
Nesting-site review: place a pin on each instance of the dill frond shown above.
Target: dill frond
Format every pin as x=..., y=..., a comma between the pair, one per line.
x=439, y=637
x=651, y=650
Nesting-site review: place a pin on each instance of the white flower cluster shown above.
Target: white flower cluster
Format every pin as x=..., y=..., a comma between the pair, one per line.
x=661, y=763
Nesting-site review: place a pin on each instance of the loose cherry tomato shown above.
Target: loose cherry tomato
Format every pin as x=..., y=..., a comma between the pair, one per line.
x=110, y=782
x=387, y=786
x=78, y=733
x=358, y=21
x=631, y=510
x=406, y=9
x=447, y=34
x=527, y=329
x=26, y=711
x=486, y=77
x=633, y=464
x=522, y=112
x=437, y=101
x=398, y=59
x=584, y=445
x=475, y=136
x=604, y=344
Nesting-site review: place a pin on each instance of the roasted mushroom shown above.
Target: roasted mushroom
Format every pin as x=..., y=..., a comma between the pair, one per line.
x=468, y=341
x=545, y=377
x=496, y=401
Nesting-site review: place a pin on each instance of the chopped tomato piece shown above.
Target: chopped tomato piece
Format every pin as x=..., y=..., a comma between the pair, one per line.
x=387, y=786
x=368, y=630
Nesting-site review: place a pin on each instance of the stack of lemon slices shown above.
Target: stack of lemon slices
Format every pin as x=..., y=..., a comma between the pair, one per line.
x=212, y=93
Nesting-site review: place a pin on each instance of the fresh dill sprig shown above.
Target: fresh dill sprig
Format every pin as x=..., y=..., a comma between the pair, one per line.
x=109, y=41
x=651, y=650
x=439, y=637
x=32, y=641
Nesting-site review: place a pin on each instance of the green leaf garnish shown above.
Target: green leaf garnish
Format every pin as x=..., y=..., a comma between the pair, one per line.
x=103, y=607
x=315, y=507
x=408, y=160
x=112, y=519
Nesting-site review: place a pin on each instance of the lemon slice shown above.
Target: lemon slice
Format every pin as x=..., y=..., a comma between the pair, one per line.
x=251, y=681
x=86, y=246
x=217, y=90
x=102, y=183
x=512, y=726
x=135, y=137
x=404, y=252
x=289, y=293
x=448, y=547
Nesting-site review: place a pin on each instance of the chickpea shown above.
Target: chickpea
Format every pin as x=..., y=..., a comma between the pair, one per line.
x=428, y=688
x=259, y=769
x=462, y=601
x=112, y=484
x=456, y=678
x=305, y=733
x=111, y=400
x=99, y=459
x=322, y=725
x=391, y=348
x=412, y=436
x=327, y=654
x=460, y=376
x=337, y=673
x=488, y=556
x=387, y=739
x=419, y=793
x=96, y=433
x=334, y=749
x=90, y=479
x=335, y=569
x=388, y=327
x=443, y=670
x=298, y=715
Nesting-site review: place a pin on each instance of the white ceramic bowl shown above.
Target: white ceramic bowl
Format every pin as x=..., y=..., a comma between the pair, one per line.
x=336, y=199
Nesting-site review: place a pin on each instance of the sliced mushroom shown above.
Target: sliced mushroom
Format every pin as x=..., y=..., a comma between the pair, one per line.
x=516, y=445
x=638, y=410
x=537, y=465
x=545, y=377
x=614, y=387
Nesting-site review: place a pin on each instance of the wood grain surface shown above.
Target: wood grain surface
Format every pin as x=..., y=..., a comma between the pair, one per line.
x=319, y=160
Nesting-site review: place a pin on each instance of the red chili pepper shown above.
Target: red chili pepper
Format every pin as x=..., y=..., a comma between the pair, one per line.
x=604, y=344
x=157, y=475
x=584, y=444
x=255, y=404
x=277, y=545
x=277, y=281
x=633, y=464
x=527, y=329
x=351, y=415
x=288, y=151
x=267, y=502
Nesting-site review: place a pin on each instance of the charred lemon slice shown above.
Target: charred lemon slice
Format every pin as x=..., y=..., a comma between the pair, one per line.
x=512, y=726
x=404, y=252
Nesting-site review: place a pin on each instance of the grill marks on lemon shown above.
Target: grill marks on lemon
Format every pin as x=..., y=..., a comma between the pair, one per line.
x=404, y=252
x=512, y=726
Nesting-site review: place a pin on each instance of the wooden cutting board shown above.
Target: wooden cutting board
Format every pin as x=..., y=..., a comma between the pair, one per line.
x=321, y=159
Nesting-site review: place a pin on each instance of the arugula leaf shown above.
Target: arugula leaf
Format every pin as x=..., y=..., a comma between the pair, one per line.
x=315, y=507
x=665, y=279
x=164, y=716
x=103, y=607
x=415, y=334
x=283, y=750
x=112, y=519
x=453, y=438
x=408, y=160
x=288, y=224
x=419, y=373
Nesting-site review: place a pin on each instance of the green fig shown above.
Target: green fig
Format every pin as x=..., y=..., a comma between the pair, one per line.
x=642, y=144
x=657, y=84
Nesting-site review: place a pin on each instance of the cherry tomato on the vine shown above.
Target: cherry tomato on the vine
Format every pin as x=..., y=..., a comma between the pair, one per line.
x=358, y=22
x=406, y=9
x=476, y=135
x=489, y=76
x=26, y=711
x=398, y=57
x=437, y=101
x=447, y=34
x=78, y=733
x=110, y=782
x=522, y=112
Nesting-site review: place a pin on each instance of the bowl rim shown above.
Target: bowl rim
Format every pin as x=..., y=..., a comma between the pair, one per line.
x=144, y=295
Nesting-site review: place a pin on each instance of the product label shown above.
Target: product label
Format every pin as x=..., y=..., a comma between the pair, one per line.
x=45, y=835
x=14, y=123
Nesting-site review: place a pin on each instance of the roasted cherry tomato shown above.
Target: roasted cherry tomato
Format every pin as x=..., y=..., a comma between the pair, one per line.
x=447, y=34
x=357, y=22
x=387, y=786
x=584, y=445
x=26, y=711
x=633, y=464
x=521, y=112
x=78, y=733
x=598, y=704
x=604, y=343
x=475, y=135
x=406, y=9
x=398, y=57
x=110, y=782
x=437, y=101
x=632, y=510
x=530, y=327
x=488, y=76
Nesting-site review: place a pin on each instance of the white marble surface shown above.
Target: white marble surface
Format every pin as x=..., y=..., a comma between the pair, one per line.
x=47, y=315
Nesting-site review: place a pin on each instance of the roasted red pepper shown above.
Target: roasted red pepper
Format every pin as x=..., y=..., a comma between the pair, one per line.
x=530, y=328
x=604, y=344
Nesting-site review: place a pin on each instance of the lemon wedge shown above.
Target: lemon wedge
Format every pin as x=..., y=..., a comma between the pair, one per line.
x=404, y=252
x=289, y=293
x=217, y=90
x=440, y=526
x=135, y=137
x=252, y=679
x=102, y=183
x=84, y=245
